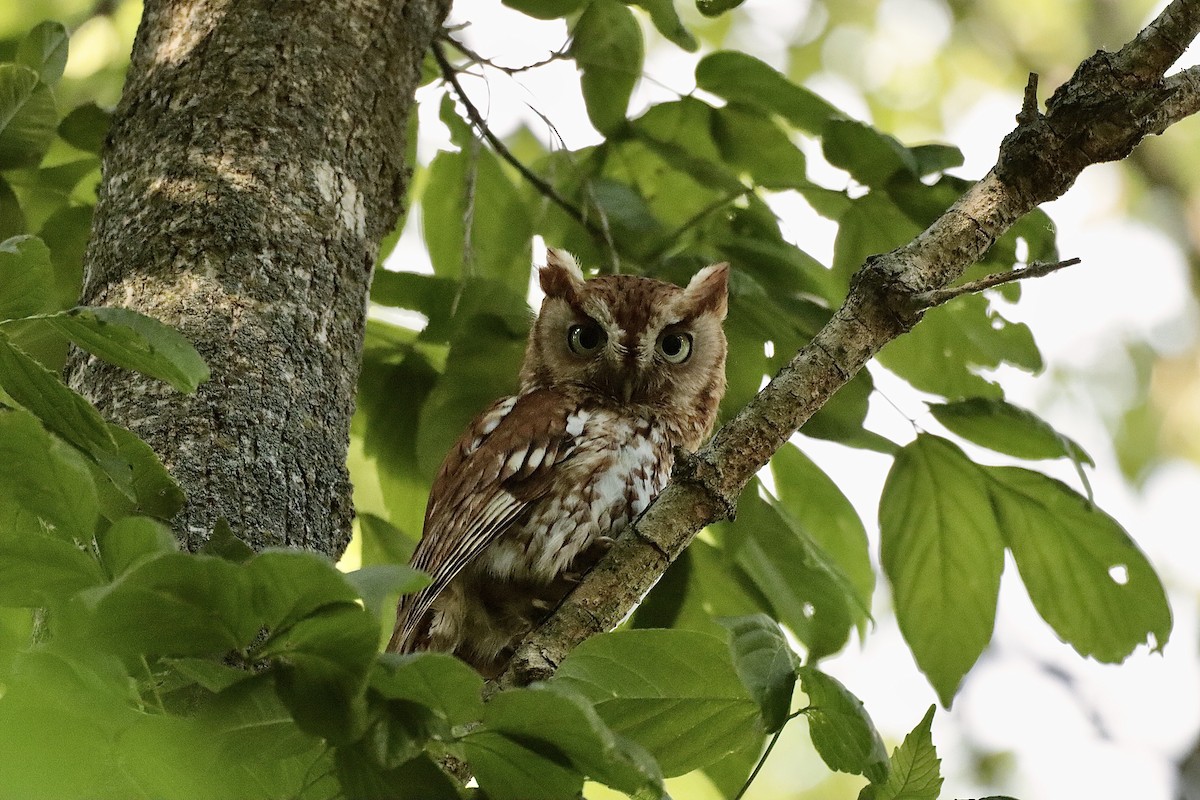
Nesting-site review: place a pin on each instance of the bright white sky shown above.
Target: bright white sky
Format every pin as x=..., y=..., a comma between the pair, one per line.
x=1077, y=728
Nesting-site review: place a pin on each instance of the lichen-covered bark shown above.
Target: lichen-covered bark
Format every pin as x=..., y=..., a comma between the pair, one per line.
x=255, y=161
x=1111, y=103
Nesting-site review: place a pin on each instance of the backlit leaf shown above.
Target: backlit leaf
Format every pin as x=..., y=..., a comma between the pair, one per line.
x=28, y=117
x=841, y=729
x=607, y=45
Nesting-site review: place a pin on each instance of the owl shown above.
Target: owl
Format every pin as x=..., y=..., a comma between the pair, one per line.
x=618, y=371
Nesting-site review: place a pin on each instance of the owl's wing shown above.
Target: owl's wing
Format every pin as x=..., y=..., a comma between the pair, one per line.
x=502, y=463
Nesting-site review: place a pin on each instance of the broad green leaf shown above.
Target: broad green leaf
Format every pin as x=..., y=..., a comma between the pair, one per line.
x=765, y=663
x=321, y=665
x=429, y=294
x=12, y=218
x=651, y=684
x=438, y=681
x=27, y=117
x=840, y=728
x=131, y=541
x=714, y=8
x=916, y=773
x=360, y=778
x=1006, y=428
x=85, y=127
x=811, y=497
x=44, y=50
x=375, y=583
x=176, y=604
x=742, y=78
x=953, y=342
x=44, y=484
x=498, y=241
x=382, y=542
x=871, y=157
x=224, y=543
x=210, y=674
x=61, y=409
x=288, y=585
x=507, y=769
x=942, y=551
x=398, y=731
x=872, y=224
x=156, y=493
x=606, y=43
x=26, y=277
x=1085, y=575
x=666, y=19
x=752, y=141
x=66, y=231
x=546, y=9
x=37, y=569
x=544, y=727
x=134, y=341
x=933, y=158
x=805, y=588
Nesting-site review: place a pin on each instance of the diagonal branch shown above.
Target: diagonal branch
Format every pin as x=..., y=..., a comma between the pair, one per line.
x=1109, y=105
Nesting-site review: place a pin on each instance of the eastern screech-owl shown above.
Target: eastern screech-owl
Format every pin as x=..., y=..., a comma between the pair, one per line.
x=618, y=371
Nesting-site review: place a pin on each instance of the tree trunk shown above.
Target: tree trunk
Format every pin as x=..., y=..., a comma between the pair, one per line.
x=255, y=161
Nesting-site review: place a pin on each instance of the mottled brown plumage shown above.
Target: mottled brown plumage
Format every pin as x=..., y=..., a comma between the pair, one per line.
x=618, y=371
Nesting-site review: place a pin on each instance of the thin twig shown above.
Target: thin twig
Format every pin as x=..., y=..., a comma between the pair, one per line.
x=476, y=58
x=451, y=76
x=762, y=760
x=1035, y=270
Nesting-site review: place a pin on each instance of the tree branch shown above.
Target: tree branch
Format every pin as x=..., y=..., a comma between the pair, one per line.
x=1038, y=269
x=1100, y=114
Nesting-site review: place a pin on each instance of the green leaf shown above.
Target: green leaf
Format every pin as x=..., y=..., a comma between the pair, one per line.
x=321, y=665
x=211, y=675
x=59, y=408
x=753, y=142
x=765, y=663
x=377, y=582
x=934, y=158
x=651, y=684
x=131, y=541
x=545, y=9
x=37, y=569
x=714, y=8
x=12, y=218
x=942, y=551
x=134, y=341
x=428, y=294
x=871, y=225
x=44, y=50
x=176, y=604
x=224, y=543
x=289, y=585
x=1085, y=575
x=871, y=157
x=840, y=728
x=499, y=240
x=666, y=19
x=360, y=778
x=26, y=277
x=805, y=588
x=606, y=43
x=44, y=484
x=916, y=773
x=85, y=127
x=437, y=681
x=811, y=497
x=66, y=231
x=545, y=728
x=157, y=494
x=382, y=542
x=1005, y=428
x=742, y=78
x=27, y=117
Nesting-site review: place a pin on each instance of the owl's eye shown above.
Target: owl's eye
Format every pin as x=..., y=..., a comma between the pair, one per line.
x=585, y=339
x=675, y=347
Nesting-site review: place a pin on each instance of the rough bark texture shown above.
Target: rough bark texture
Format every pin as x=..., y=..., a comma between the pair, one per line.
x=1111, y=103
x=254, y=163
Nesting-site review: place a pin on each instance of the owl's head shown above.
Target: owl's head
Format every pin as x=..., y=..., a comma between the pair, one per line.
x=631, y=340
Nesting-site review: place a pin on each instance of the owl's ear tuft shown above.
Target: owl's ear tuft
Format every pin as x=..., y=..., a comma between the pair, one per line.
x=561, y=277
x=707, y=292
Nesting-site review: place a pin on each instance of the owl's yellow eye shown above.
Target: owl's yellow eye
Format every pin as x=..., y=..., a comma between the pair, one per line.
x=675, y=347
x=585, y=339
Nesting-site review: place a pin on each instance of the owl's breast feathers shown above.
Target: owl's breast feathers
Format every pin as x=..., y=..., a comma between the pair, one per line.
x=551, y=474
